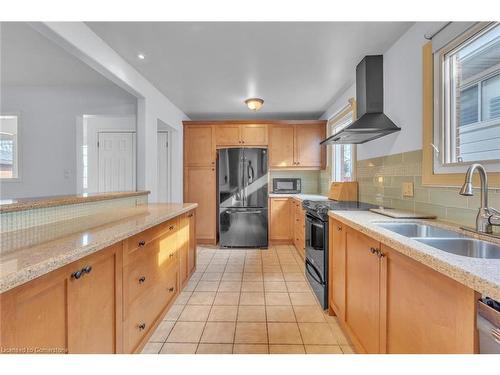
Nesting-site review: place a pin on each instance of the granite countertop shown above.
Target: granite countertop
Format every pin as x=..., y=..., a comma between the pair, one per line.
x=482, y=275
x=301, y=197
x=20, y=264
x=20, y=204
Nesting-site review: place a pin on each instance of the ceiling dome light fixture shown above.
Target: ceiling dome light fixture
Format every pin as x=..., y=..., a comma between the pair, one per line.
x=254, y=104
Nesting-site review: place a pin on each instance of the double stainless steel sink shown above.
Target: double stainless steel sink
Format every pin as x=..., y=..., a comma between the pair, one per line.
x=444, y=239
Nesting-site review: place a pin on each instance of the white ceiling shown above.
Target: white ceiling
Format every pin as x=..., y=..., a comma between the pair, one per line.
x=209, y=69
x=29, y=58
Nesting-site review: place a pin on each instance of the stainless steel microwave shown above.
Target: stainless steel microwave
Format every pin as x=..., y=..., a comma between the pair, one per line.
x=286, y=185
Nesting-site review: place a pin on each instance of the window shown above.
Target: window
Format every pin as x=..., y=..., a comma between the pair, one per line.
x=467, y=75
x=8, y=147
x=343, y=157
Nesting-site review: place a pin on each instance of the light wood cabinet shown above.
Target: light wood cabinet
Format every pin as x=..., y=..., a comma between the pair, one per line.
x=299, y=227
x=75, y=309
x=423, y=311
x=108, y=302
x=199, y=187
x=187, y=249
x=362, y=290
x=297, y=146
x=336, y=259
x=308, y=152
x=254, y=134
x=394, y=304
x=280, y=220
x=199, y=147
x=281, y=146
x=241, y=135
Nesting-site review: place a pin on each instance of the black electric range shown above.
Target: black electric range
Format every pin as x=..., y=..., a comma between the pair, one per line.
x=316, y=241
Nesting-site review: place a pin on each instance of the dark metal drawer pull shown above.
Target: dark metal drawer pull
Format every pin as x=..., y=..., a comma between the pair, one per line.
x=142, y=279
x=76, y=275
x=142, y=243
x=171, y=289
x=142, y=326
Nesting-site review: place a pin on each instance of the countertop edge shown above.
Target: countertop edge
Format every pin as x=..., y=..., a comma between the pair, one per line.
x=30, y=273
x=32, y=204
x=455, y=272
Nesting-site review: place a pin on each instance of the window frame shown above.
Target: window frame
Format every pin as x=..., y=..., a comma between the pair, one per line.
x=429, y=95
x=444, y=138
x=18, y=148
x=335, y=120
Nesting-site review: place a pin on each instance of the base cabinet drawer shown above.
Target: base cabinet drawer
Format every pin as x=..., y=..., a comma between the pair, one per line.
x=144, y=312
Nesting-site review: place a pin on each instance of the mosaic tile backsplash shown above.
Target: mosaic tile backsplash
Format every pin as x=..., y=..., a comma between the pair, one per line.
x=14, y=221
x=380, y=182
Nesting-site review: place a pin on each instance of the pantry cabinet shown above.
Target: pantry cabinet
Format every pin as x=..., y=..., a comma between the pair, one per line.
x=387, y=302
x=297, y=146
x=199, y=187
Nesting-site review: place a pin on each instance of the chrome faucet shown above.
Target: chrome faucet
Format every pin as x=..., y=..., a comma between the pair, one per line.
x=486, y=217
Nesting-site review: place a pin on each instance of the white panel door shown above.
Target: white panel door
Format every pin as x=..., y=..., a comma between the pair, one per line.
x=116, y=162
x=163, y=168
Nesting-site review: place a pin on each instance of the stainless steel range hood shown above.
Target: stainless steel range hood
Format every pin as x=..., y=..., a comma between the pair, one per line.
x=371, y=123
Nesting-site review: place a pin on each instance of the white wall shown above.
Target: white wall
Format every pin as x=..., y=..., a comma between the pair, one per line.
x=47, y=132
x=79, y=39
x=402, y=94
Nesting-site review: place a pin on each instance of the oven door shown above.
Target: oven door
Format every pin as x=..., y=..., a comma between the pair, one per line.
x=316, y=260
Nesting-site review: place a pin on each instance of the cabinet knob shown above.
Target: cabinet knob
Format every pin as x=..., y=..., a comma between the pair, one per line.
x=142, y=279
x=76, y=275
x=142, y=243
x=339, y=228
x=373, y=250
x=171, y=255
x=87, y=269
x=190, y=215
x=380, y=254
x=171, y=227
x=142, y=326
x=171, y=289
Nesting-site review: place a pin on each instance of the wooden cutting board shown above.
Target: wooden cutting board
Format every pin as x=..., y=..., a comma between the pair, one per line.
x=401, y=214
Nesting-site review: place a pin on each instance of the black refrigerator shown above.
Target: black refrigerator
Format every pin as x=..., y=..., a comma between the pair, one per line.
x=242, y=197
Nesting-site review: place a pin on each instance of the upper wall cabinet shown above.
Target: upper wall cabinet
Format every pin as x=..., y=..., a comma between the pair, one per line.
x=241, y=135
x=297, y=146
x=198, y=146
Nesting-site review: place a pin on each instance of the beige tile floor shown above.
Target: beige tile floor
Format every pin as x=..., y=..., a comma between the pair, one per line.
x=247, y=301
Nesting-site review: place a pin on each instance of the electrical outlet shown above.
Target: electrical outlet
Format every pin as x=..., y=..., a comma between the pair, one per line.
x=408, y=189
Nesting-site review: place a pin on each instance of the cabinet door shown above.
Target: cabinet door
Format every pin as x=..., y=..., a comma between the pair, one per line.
x=227, y=135
x=424, y=311
x=308, y=153
x=33, y=316
x=337, y=253
x=198, y=146
x=200, y=188
x=281, y=138
x=183, y=238
x=192, y=243
x=254, y=134
x=92, y=305
x=362, y=290
x=280, y=222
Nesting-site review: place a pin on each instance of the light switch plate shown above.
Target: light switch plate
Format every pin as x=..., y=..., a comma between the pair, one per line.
x=408, y=189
